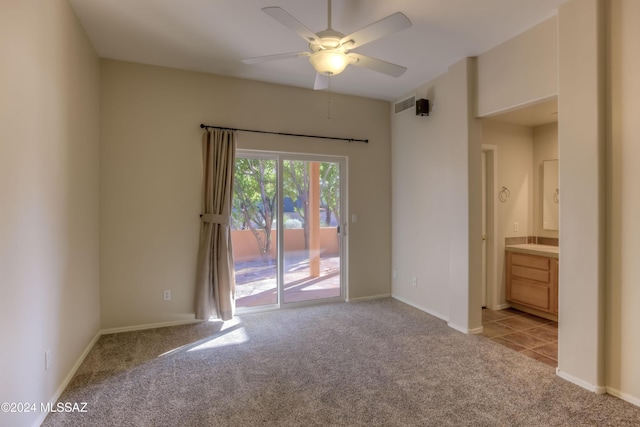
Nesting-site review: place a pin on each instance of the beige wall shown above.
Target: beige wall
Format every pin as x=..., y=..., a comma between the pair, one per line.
x=623, y=203
x=581, y=175
x=545, y=147
x=520, y=71
x=49, y=81
x=422, y=203
x=150, y=178
x=431, y=213
x=464, y=141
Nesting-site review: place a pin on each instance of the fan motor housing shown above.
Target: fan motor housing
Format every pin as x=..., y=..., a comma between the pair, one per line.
x=328, y=39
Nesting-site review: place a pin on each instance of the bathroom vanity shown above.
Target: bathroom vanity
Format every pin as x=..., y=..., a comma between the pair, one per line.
x=532, y=279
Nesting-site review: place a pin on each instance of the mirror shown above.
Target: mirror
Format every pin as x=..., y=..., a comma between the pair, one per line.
x=550, y=195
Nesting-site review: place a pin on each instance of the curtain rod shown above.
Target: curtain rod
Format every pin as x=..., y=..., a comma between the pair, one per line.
x=366, y=141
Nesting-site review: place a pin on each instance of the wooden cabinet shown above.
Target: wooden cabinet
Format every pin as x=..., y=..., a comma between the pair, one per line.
x=532, y=281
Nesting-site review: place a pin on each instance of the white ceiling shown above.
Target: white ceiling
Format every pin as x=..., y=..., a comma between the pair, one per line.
x=214, y=35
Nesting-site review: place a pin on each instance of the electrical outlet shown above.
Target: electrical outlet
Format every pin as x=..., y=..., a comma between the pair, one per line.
x=414, y=281
x=167, y=295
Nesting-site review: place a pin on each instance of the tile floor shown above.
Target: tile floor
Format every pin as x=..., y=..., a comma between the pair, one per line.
x=530, y=335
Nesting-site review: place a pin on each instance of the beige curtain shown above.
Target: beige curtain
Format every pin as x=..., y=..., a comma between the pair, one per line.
x=215, y=278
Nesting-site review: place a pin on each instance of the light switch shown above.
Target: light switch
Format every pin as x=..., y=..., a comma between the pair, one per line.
x=354, y=218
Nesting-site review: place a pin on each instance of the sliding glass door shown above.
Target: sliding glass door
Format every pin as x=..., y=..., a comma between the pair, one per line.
x=311, y=238
x=286, y=232
x=253, y=231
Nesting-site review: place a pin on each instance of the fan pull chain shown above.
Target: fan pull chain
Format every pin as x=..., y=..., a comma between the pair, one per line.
x=329, y=101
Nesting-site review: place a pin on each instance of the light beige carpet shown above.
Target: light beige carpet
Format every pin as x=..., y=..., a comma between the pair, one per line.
x=375, y=363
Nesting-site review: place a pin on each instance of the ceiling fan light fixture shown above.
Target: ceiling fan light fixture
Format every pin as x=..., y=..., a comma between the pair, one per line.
x=330, y=51
x=329, y=62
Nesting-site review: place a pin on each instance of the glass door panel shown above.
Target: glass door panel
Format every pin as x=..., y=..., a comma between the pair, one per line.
x=291, y=254
x=311, y=237
x=253, y=231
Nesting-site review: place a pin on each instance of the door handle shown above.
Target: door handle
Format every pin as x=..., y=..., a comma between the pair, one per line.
x=484, y=237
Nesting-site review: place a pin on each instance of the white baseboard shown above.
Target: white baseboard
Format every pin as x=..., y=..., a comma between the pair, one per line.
x=458, y=328
x=597, y=389
x=466, y=331
x=148, y=326
x=624, y=396
x=439, y=316
x=372, y=297
x=421, y=308
x=67, y=379
x=476, y=331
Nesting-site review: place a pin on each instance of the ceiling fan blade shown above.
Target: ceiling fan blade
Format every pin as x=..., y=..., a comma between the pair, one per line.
x=258, y=59
x=289, y=21
x=322, y=82
x=389, y=25
x=378, y=65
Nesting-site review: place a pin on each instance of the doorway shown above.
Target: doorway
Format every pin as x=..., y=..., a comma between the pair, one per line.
x=286, y=229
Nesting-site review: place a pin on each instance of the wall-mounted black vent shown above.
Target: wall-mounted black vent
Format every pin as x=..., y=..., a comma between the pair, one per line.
x=405, y=104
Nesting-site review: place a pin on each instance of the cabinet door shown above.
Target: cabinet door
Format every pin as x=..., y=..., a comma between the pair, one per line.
x=530, y=273
x=532, y=281
x=533, y=294
x=531, y=261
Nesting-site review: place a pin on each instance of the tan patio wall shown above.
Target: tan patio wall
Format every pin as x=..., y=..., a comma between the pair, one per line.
x=245, y=247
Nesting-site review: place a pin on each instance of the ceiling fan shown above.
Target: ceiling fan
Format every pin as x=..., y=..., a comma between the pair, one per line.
x=330, y=51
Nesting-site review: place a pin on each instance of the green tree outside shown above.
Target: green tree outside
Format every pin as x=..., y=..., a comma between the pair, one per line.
x=255, y=198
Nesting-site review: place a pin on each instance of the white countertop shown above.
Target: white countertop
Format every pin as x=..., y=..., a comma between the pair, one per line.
x=532, y=249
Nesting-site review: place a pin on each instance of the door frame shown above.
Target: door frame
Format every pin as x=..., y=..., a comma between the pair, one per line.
x=484, y=228
x=491, y=203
